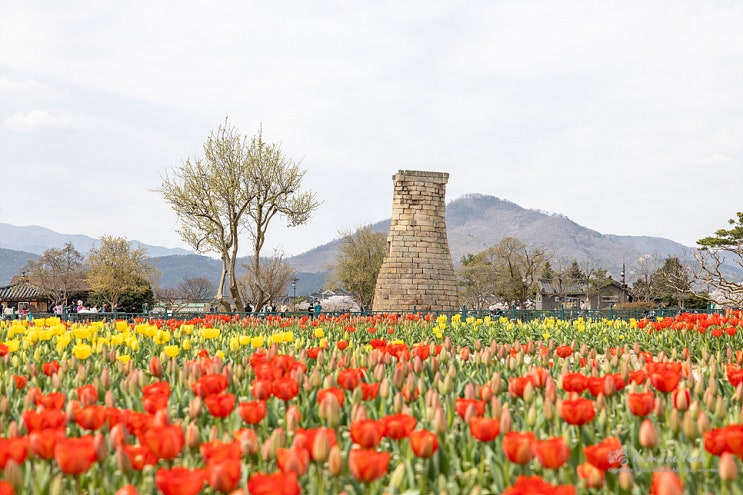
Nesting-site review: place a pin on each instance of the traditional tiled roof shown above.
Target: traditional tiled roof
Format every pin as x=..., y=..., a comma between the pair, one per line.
x=21, y=291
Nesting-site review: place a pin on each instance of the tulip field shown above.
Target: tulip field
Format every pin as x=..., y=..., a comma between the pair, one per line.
x=397, y=404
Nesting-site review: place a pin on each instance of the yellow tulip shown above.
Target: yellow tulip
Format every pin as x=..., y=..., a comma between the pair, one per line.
x=210, y=333
x=82, y=351
x=257, y=342
x=171, y=350
x=319, y=333
x=124, y=358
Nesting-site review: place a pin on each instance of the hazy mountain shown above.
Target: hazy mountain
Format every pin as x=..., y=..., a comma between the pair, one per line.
x=11, y=263
x=474, y=222
x=36, y=240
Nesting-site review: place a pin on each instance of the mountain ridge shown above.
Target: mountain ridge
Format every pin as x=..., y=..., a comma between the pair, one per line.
x=474, y=222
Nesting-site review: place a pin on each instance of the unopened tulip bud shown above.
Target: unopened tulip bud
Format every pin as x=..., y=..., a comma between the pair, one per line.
x=56, y=381
x=398, y=377
x=384, y=388
x=720, y=409
x=603, y=417
x=703, y=423
x=320, y=447
x=417, y=365
x=267, y=453
x=601, y=402
x=440, y=424
x=446, y=386
x=549, y=410
x=5, y=405
x=681, y=399
x=101, y=449
x=674, y=422
x=398, y=403
x=398, y=475
x=626, y=480
x=728, y=467
x=195, y=407
x=193, y=439
x=506, y=422
x=105, y=378
x=335, y=461
x=469, y=391
x=658, y=409
x=315, y=378
x=122, y=461
x=738, y=392
x=293, y=418
x=529, y=393
x=648, y=435
x=13, y=474
x=531, y=416
x=689, y=426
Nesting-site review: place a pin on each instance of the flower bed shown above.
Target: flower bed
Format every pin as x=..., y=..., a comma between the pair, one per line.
x=410, y=404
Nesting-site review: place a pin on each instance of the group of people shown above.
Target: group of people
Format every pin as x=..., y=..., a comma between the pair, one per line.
x=269, y=308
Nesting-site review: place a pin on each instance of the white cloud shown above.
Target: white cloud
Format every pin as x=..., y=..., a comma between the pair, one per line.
x=41, y=120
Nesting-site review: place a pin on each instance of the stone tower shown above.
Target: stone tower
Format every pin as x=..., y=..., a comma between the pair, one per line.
x=417, y=272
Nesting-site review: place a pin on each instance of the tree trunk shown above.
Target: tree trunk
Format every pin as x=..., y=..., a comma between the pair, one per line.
x=220, y=291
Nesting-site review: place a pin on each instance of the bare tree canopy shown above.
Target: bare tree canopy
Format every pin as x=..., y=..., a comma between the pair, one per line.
x=358, y=262
x=196, y=289
x=239, y=186
x=272, y=280
x=723, y=248
x=115, y=268
x=59, y=272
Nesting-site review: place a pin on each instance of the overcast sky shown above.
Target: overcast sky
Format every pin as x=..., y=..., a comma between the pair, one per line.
x=625, y=116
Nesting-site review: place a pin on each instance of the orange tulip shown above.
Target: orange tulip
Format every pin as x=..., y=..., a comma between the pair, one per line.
x=210, y=384
x=339, y=394
x=179, y=481
x=224, y=475
x=165, y=441
x=90, y=417
x=641, y=404
x=484, y=429
x=574, y=382
x=666, y=483
x=552, y=453
x=274, y=484
x=44, y=419
x=578, y=411
x=139, y=456
x=593, y=476
x=43, y=442
x=294, y=459
x=350, y=378
x=529, y=485
x=15, y=448
x=367, y=432
x=424, y=443
x=462, y=405
x=87, y=395
x=398, y=426
x=518, y=446
x=664, y=376
x=217, y=450
x=368, y=465
x=75, y=455
x=252, y=412
x=285, y=388
x=606, y=454
x=220, y=405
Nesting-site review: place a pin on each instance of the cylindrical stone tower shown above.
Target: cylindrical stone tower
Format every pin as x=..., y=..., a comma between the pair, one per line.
x=417, y=272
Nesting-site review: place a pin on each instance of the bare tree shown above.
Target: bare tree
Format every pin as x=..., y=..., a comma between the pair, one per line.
x=716, y=255
x=58, y=272
x=270, y=282
x=239, y=186
x=196, y=289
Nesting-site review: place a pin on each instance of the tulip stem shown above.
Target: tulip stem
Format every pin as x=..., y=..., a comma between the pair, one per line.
x=424, y=478
x=481, y=469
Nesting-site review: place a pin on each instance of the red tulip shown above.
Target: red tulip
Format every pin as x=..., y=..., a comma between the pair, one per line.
x=563, y=351
x=19, y=382
x=350, y=378
x=139, y=456
x=484, y=429
x=574, y=382
x=5, y=487
x=369, y=391
x=127, y=490
x=285, y=388
x=53, y=400
x=339, y=394
x=666, y=483
x=368, y=465
x=295, y=459
x=220, y=405
x=44, y=419
x=261, y=389
x=90, y=417
x=637, y=376
x=517, y=384
x=367, y=432
x=87, y=395
x=593, y=476
x=552, y=453
x=664, y=376
x=252, y=412
x=15, y=448
x=305, y=438
x=137, y=422
x=213, y=383
x=75, y=455
x=606, y=454
x=461, y=406
x=397, y=426
x=518, y=446
x=42, y=442
x=217, y=450
x=274, y=484
x=423, y=443
x=578, y=411
x=530, y=485
x=641, y=404
x=179, y=481
x=224, y=475
x=50, y=368
x=165, y=441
